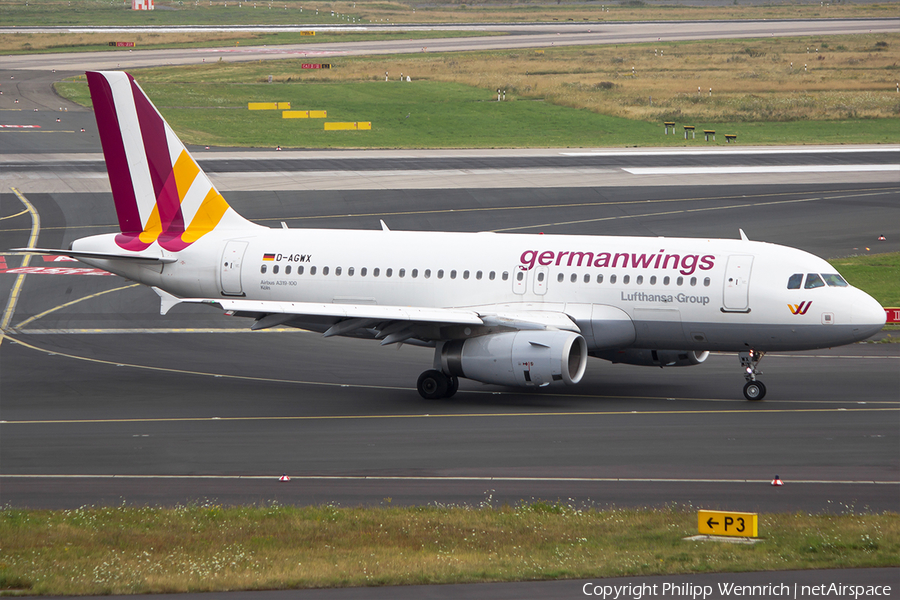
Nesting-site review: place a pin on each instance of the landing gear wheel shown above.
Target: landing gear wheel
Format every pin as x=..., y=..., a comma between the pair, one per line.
x=754, y=391
x=454, y=385
x=433, y=384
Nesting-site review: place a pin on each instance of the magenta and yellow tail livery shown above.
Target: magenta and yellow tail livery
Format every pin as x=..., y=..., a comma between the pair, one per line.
x=161, y=194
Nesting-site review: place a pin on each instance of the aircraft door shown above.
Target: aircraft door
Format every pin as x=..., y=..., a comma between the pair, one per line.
x=541, y=276
x=736, y=295
x=231, y=267
x=520, y=281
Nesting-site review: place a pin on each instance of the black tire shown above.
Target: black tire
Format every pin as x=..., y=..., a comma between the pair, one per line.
x=754, y=391
x=452, y=387
x=433, y=384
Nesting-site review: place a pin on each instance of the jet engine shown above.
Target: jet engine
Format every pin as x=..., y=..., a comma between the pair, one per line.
x=518, y=358
x=653, y=358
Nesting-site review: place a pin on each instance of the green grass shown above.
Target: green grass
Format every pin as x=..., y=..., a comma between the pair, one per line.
x=213, y=548
x=431, y=114
x=877, y=274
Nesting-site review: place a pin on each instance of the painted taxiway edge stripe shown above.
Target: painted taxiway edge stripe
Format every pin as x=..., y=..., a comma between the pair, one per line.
x=155, y=329
x=737, y=170
x=20, y=279
x=728, y=152
x=453, y=478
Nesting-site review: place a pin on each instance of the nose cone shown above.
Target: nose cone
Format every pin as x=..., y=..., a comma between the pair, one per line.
x=868, y=316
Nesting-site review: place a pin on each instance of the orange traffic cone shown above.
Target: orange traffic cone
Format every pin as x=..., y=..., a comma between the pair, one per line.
x=284, y=477
x=777, y=481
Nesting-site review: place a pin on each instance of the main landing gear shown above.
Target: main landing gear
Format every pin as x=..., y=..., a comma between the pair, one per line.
x=434, y=384
x=753, y=390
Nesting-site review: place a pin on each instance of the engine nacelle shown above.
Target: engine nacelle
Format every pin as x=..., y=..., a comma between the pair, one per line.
x=518, y=358
x=653, y=358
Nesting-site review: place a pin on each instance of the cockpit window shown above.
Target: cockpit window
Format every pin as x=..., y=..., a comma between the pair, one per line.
x=834, y=280
x=813, y=281
x=795, y=281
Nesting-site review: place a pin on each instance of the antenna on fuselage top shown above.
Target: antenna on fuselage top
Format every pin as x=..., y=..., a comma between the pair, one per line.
x=744, y=236
x=384, y=226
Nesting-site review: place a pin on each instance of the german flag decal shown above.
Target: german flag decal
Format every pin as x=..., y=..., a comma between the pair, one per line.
x=268, y=257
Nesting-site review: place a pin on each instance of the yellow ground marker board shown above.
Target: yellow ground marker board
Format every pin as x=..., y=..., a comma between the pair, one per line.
x=359, y=126
x=269, y=105
x=304, y=114
x=737, y=524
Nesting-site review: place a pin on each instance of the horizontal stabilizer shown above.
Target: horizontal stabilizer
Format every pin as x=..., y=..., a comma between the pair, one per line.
x=98, y=255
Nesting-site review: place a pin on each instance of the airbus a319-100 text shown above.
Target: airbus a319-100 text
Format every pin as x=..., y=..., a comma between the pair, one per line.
x=505, y=309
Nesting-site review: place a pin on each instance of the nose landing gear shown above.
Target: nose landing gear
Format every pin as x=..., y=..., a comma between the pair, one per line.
x=753, y=390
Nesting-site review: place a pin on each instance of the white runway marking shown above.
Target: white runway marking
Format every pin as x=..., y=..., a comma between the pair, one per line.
x=735, y=170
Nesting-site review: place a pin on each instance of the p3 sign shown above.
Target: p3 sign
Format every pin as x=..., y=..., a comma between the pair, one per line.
x=736, y=524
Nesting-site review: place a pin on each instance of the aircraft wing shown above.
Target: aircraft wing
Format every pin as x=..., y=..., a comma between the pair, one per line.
x=396, y=321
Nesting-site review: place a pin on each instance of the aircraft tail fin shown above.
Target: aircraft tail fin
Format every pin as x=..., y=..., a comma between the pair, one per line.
x=160, y=192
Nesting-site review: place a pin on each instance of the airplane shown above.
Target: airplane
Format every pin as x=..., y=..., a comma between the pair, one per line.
x=520, y=310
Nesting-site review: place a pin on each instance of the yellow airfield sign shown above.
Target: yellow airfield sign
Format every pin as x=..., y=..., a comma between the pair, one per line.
x=737, y=524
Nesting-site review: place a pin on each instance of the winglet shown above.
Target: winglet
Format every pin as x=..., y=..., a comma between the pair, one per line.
x=166, y=300
x=744, y=236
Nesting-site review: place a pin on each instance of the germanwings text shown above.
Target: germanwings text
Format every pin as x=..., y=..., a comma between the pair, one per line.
x=686, y=264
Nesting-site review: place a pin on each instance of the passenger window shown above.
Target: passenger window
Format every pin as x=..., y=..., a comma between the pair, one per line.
x=795, y=280
x=300, y=270
x=666, y=280
x=388, y=272
x=505, y=275
x=415, y=273
x=587, y=278
x=440, y=273
x=612, y=278
x=653, y=280
x=350, y=272
x=363, y=271
x=600, y=278
x=834, y=280
x=491, y=276
x=287, y=270
x=573, y=278
x=679, y=281
x=465, y=274
x=706, y=282
x=452, y=273
x=626, y=279
x=427, y=273
x=541, y=277
x=324, y=270
x=401, y=273
x=312, y=270
x=275, y=269
x=376, y=272
x=262, y=269
x=337, y=270
x=813, y=281
x=520, y=276
x=693, y=281
x=478, y=275
x=560, y=277
x=639, y=279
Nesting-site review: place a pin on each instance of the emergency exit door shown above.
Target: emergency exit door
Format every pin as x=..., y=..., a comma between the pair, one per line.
x=231, y=267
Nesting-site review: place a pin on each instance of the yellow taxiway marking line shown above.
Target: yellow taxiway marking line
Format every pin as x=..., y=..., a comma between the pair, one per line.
x=18, y=214
x=593, y=413
x=56, y=308
x=476, y=478
x=20, y=279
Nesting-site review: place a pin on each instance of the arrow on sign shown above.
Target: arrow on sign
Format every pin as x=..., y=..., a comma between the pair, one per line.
x=710, y=523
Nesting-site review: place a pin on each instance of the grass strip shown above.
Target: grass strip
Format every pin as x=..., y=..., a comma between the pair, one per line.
x=877, y=274
x=210, y=547
x=759, y=90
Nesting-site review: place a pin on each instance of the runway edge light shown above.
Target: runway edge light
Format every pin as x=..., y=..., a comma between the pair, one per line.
x=777, y=482
x=732, y=524
x=284, y=477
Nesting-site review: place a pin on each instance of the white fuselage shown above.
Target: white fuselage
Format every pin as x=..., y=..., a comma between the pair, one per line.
x=679, y=293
